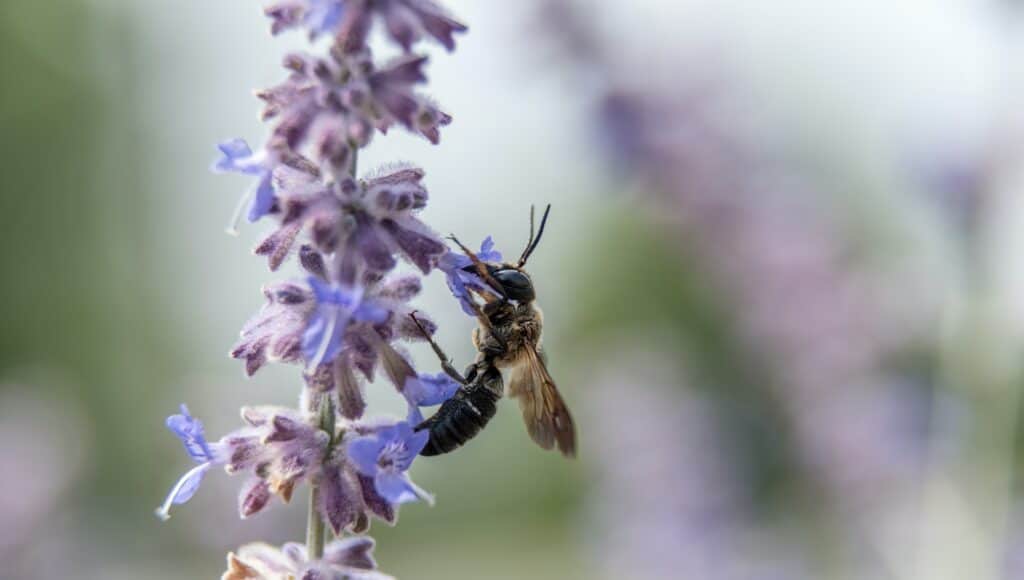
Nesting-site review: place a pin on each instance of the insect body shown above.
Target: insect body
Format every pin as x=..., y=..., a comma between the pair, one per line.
x=461, y=417
x=509, y=336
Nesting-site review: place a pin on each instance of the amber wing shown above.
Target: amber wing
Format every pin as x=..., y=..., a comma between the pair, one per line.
x=547, y=418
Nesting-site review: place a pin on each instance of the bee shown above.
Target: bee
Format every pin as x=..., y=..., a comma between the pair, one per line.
x=508, y=337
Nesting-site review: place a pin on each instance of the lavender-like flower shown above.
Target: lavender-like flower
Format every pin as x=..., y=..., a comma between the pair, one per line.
x=344, y=318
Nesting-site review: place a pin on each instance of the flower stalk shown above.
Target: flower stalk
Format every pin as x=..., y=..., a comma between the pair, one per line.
x=316, y=529
x=342, y=321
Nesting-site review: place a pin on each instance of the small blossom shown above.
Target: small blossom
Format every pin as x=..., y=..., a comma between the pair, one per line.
x=385, y=456
x=341, y=503
x=426, y=391
x=239, y=158
x=460, y=279
x=336, y=307
x=276, y=332
x=190, y=431
x=344, y=559
x=276, y=446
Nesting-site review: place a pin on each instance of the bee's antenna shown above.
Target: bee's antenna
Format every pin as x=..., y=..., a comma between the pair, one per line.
x=532, y=245
x=522, y=257
x=480, y=267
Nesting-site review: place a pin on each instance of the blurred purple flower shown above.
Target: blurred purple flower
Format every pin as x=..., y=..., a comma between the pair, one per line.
x=385, y=456
x=460, y=282
x=344, y=559
x=701, y=524
x=405, y=21
x=826, y=324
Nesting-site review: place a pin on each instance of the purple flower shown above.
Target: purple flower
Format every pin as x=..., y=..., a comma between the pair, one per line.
x=406, y=21
x=460, y=282
x=277, y=446
x=427, y=391
x=318, y=16
x=345, y=319
x=368, y=222
x=276, y=332
x=323, y=16
x=239, y=158
x=386, y=455
x=296, y=322
x=336, y=307
x=190, y=431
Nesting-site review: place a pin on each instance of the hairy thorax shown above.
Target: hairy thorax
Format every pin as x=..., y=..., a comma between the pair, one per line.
x=514, y=327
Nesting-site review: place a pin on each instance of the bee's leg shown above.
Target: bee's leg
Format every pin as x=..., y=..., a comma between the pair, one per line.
x=470, y=372
x=481, y=269
x=446, y=363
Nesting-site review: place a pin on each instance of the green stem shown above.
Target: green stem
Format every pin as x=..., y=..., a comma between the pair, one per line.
x=315, y=528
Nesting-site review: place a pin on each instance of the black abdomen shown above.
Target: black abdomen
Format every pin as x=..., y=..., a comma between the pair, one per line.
x=464, y=415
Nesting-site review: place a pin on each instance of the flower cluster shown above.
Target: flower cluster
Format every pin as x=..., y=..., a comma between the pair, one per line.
x=342, y=320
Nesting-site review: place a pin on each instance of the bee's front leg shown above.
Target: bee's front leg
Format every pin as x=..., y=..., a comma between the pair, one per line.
x=446, y=363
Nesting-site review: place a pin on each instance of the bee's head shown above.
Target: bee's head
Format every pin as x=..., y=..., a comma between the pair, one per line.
x=517, y=284
x=514, y=280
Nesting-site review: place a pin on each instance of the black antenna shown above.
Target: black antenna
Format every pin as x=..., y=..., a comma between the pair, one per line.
x=534, y=240
x=522, y=257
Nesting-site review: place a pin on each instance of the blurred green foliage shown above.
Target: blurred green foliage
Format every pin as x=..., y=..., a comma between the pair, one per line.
x=78, y=322
x=670, y=296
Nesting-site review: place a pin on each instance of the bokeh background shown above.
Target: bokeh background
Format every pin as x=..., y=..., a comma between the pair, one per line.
x=781, y=281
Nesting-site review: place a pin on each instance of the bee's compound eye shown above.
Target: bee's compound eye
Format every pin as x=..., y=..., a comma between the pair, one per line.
x=517, y=284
